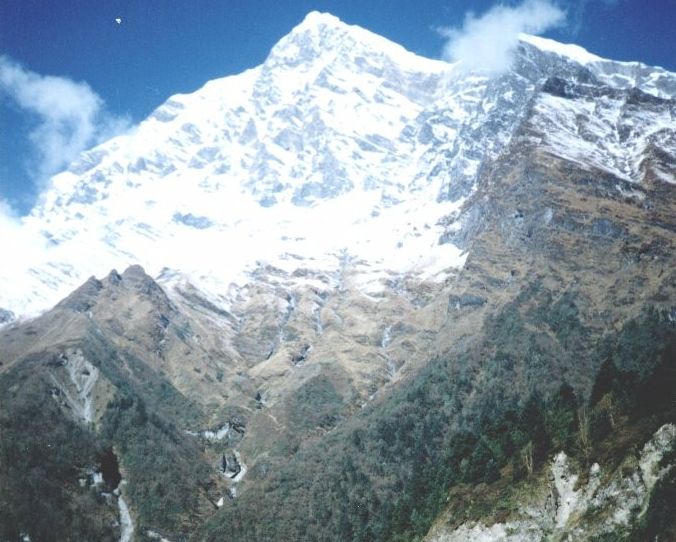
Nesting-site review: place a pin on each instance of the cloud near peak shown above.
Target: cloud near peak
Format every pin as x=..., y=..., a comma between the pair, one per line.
x=488, y=42
x=69, y=116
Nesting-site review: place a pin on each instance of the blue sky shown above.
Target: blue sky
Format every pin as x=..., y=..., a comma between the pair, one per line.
x=114, y=74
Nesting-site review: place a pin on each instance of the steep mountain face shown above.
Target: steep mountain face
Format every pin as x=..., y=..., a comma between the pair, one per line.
x=384, y=294
x=339, y=127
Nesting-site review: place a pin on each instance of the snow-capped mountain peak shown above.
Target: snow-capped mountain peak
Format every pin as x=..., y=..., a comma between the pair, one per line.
x=616, y=74
x=324, y=35
x=568, y=50
x=342, y=146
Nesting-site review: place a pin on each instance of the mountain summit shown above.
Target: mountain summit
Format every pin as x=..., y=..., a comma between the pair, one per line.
x=325, y=38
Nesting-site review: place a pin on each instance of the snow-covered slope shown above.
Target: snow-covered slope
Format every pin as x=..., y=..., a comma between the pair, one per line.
x=340, y=146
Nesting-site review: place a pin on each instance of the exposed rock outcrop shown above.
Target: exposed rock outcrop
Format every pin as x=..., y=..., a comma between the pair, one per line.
x=608, y=504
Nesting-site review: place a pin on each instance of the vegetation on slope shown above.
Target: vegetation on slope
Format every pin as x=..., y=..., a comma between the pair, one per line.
x=462, y=436
x=44, y=453
x=386, y=474
x=42, y=456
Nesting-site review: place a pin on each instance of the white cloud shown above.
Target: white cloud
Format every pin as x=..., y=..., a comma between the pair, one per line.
x=18, y=244
x=488, y=42
x=7, y=216
x=70, y=116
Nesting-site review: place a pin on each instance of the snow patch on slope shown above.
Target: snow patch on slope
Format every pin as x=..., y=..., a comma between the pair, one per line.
x=600, y=131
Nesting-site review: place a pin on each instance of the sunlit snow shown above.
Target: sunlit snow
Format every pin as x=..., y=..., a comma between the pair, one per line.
x=341, y=146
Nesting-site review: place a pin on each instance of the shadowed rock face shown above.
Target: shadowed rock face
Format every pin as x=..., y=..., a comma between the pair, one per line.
x=110, y=470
